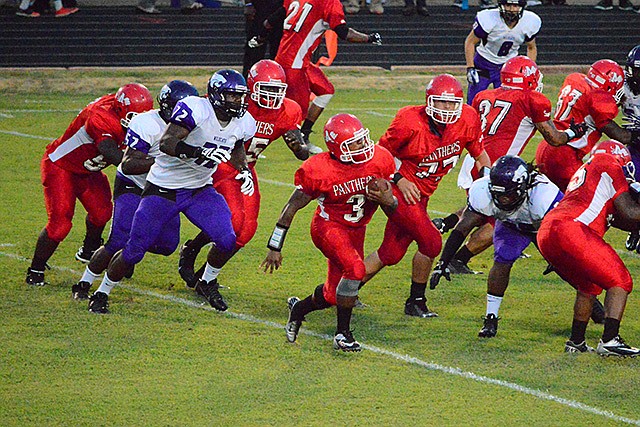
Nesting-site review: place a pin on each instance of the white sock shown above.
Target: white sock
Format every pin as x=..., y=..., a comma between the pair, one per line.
x=210, y=273
x=57, y=4
x=89, y=276
x=493, y=304
x=106, y=285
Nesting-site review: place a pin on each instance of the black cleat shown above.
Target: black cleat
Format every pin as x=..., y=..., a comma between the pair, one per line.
x=80, y=291
x=99, y=303
x=343, y=340
x=35, y=278
x=417, y=307
x=186, y=264
x=84, y=255
x=632, y=240
x=571, y=347
x=458, y=267
x=597, y=312
x=490, y=328
x=439, y=223
x=209, y=290
x=616, y=347
x=292, y=327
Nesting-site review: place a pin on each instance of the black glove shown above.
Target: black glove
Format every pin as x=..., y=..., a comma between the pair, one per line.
x=439, y=271
x=548, y=270
x=576, y=130
x=375, y=38
x=472, y=76
x=632, y=240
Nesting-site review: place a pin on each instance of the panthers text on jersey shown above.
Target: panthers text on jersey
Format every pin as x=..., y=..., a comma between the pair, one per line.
x=542, y=197
x=499, y=42
x=198, y=116
x=424, y=156
x=95, y=123
x=591, y=193
x=144, y=135
x=508, y=118
x=340, y=188
x=305, y=23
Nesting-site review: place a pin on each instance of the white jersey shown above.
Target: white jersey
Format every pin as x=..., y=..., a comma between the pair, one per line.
x=144, y=135
x=631, y=103
x=544, y=196
x=197, y=115
x=499, y=42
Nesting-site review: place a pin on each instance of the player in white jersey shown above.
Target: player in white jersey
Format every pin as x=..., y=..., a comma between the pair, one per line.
x=202, y=133
x=517, y=198
x=143, y=145
x=500, y=33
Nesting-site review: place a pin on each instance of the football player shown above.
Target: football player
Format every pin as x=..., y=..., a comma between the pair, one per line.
x=276, y=116
x=502, y=31
x=304, y=24
x=338, y=180
x=142, y=140
x=593, y=99
x=571, y=239
x=427, y=143
x=202, y=133
x=517, y=198
x=72, y=170
x=510, y=116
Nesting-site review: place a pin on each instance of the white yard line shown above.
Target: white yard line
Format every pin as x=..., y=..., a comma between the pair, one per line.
x=378, y=350
x=25, y=135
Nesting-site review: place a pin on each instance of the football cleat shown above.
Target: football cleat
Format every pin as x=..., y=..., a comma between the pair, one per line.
x=99, y=303
x=458, y=267
x=84, y=255
x=417, y=307
x=209, y=290
x=616, y=347
x=28, y=12
x=571, y=347
x=490, y=327
x=35, y=278
x=604, y=5
x=632, y=240
x=293, y=326
x=360, y=304
x=186, y=264
x=80, y=291
x=66, y=11
x=343, y=340
x=439, y=223
x=597, y=312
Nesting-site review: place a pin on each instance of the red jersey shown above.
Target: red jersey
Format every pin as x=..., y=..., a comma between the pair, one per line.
x=271, y=125
x=582, y=102
x=340, y=187
x=95, y=123
x=426, y=157
x=591, y=193
x=306, y=22
x=507, y=117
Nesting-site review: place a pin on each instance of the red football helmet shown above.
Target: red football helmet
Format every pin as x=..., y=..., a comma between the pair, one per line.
x=347, y=139
x=444, y=88
x=132, y=99
x=267, y=83
x=607, y=75
x=520, y=72
x=621, y=154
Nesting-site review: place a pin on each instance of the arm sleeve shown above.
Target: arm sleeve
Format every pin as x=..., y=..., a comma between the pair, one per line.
x=137, y=138
x=604, y=109
x=481, y=32
x=100, y=128
x=539, y=107
x=304, y=181
x=397, y=135
x=184, y=115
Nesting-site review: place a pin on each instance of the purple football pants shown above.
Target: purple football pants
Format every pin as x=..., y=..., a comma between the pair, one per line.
x=158, y=219
x=489, y=74
x=508, y=243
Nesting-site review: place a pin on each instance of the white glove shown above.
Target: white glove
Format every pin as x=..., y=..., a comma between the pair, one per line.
x=255, y=42
x=472, y=76
x=96, y=164
x=247, y=188
x=217, y=155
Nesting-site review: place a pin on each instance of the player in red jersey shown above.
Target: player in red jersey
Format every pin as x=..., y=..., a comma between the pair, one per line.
x=428, y=143
x=304, y=24
x=72, y=169
x=592, y=99
x=338, y=180
x=510, y=116
x=571, y=239
x=276, y=116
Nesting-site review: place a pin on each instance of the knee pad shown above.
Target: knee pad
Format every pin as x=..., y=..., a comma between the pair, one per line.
x=318, y=298
x=348, y=287
x=322, y=100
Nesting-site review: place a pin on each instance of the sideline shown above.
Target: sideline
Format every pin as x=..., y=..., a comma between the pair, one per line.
x=378, y=350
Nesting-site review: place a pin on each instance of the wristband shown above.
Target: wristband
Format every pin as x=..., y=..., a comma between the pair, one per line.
x=185, y=151
x=570, y=134
x=276, y=241
x=396, y=177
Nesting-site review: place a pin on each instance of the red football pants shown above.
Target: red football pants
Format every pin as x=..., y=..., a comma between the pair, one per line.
x=582, y=257
x=344, y=249
x=62, y=188
x=305, y=81
x=407, y=224
x=558, y=163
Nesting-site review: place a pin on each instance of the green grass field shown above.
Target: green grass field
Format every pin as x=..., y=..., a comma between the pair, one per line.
x=163, y=358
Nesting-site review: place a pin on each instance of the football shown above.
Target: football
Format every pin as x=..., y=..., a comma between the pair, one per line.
x=378, y=184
